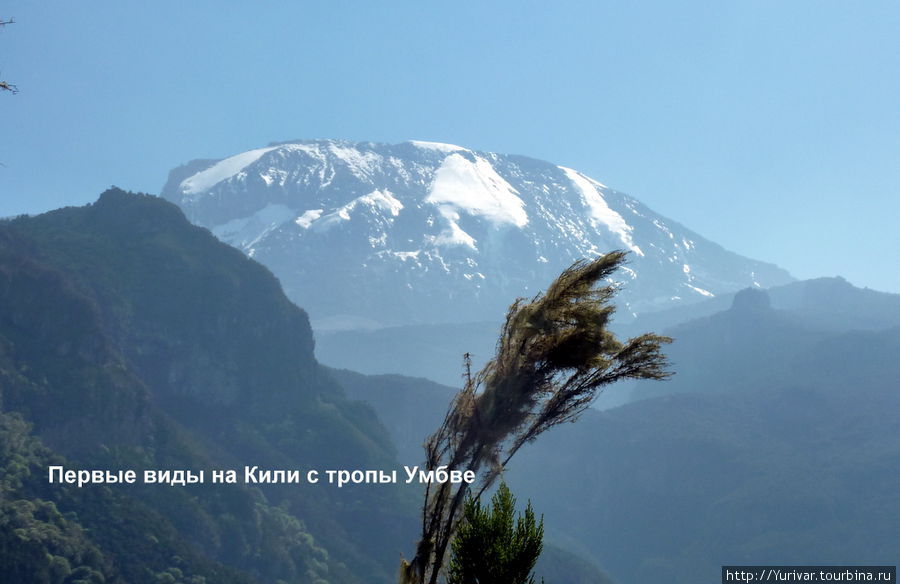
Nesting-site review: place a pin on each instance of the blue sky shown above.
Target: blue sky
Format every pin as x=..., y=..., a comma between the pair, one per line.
x=770, y=127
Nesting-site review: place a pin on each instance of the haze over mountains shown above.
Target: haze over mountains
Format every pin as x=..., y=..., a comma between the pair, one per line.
x=131, y=339
x=762, y=447
x=775, y=443
x=821, y=305
x=365, y=235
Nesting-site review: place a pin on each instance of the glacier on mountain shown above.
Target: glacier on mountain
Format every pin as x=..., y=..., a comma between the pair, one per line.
x=424, y=232
x=206, y=179
x=600, y=211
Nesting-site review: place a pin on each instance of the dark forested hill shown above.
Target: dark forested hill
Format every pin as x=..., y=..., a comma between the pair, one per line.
x=131, y=339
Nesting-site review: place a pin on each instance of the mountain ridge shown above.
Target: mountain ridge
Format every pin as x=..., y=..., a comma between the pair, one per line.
x=439, y=233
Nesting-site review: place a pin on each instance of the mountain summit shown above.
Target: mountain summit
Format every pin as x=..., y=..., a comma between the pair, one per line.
x=366, y=234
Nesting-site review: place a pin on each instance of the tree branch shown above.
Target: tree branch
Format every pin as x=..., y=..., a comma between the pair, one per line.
x=5, y=86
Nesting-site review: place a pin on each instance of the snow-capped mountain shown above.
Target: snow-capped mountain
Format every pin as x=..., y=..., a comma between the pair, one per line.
x=365, y=234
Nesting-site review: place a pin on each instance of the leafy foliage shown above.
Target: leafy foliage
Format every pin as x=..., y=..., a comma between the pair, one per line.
x=492, y=545
x=59, y=534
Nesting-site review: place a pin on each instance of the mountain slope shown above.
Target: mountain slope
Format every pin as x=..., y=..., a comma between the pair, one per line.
x=132, y=339
x=753, y=345
x=365, y=234
x=823, y=304
x=774, y=443
x=434, y=351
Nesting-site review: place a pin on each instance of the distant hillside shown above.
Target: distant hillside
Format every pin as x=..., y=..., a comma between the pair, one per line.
x=431, y=351
x=435, y=351
x=825, y=304
x=753, y=345
x=773, y=444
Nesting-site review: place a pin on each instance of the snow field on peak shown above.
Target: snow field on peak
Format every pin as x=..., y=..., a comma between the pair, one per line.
x=381, y=199
x=701, y=291
x=439, y=146
x=601, y=212
x=308, y=218
x=453, y=234
x=361, y=164
x=222, y=170
x=384, y=200
x=477, y=189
